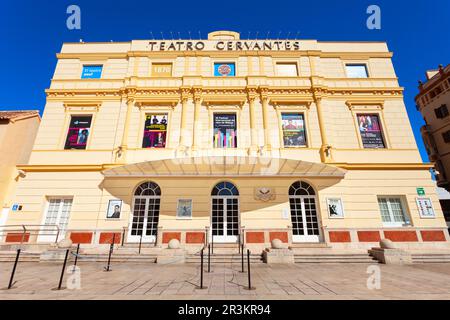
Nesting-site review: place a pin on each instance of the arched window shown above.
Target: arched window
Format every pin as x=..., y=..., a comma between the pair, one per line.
x=301, y=188
x=148, y=189
x=225, y=189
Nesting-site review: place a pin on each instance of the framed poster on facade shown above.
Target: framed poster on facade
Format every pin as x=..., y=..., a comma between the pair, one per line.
x=155, y=131
x=78, y=132
x=293, y=127
x=335, y=208
x=370, y=131
x=114, y=209
x=184, y=209
x=425, y=208
x=225, y=135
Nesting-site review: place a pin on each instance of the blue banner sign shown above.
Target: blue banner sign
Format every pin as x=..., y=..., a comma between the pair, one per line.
x=92, y=72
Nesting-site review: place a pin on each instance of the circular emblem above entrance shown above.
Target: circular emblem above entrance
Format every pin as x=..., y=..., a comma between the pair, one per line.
x=224, y=69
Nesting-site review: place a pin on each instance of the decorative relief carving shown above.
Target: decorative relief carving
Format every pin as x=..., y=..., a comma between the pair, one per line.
x=264, y=194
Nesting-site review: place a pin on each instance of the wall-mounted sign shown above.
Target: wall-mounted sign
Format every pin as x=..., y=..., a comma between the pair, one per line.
x=370, y=130
x=425, y=208
x=161, y=70
x=114, y=209
x=236, y=45
x=224, y=70
x=420, y=191
x=15, y=207
x=92, y=72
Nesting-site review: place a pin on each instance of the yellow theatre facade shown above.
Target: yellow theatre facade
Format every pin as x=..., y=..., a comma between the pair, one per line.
x=227, y=140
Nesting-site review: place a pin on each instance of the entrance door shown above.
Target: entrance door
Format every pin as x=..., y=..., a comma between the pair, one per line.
x=57, y=214
x=145, y=218
x=305, y=225
x=225, y=213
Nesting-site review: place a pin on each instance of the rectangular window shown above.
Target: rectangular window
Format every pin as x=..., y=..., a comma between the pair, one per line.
x=155, y=131
x=293, y=126
x=56, y=218
x=92, y=72
x=78, y=132
x=225, y=131
x=287, y=69
x=161, y=69
x=392, y=211
x=446, y=136
x=441, y=112
x=371, y=131
x=356, y=71
x=224, y=69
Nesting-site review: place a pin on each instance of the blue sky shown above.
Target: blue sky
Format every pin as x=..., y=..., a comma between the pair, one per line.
x=32, y=33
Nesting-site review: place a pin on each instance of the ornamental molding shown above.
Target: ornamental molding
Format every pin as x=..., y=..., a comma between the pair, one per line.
x=199, y=93
x=92, y=106
x=364, y=104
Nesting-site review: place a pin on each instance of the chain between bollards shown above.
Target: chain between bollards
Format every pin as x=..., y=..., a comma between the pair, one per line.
x=140, y=243
x=11, y=280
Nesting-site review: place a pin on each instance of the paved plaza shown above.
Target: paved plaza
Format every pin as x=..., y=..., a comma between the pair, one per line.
x=299, y=281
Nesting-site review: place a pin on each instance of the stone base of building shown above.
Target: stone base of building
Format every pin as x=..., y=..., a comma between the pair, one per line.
x=391, y=256
x=171, y=256
x=277, y=256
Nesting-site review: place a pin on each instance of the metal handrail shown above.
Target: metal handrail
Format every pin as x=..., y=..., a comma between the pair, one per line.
x=31, y=229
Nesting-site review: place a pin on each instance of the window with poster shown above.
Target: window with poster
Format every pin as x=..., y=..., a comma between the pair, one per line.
x=293, y=127
x=225, y=135
x=155, y=130
x=370, y=130
x=78, y=132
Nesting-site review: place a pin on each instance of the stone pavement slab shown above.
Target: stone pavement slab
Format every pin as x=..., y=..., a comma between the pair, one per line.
x=300, y=281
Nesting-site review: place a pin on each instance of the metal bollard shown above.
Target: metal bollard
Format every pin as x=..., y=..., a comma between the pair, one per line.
x=248, y=272
x=201, y=271
x=242, y=259
x=14, y=270
x=76, y=257
x=140, y=243
x=63, y=269
x=111, y=249
x=209, y=258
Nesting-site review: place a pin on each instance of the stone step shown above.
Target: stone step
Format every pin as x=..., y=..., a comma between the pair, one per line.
x=430, y=258
x=334, y=258
x=24, y=256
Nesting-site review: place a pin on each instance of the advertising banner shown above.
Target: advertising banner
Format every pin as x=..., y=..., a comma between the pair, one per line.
x=155, y=131
x=370, y=130
x=293, y=126
x=78, y=133
x=225, y=131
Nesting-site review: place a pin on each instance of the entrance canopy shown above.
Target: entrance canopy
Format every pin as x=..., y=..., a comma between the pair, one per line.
x=225, y=166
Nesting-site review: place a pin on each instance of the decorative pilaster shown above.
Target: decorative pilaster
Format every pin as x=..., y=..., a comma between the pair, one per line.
x=130, y=97
x=252, y=94
x=325, y=149
x=185, y=94
x=265, y=105
x=197, y=127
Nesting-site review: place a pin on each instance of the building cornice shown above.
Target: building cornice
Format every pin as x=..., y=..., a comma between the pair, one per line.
x=101, y=167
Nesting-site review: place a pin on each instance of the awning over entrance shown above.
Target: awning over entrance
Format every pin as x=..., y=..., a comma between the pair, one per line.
x=225, y=166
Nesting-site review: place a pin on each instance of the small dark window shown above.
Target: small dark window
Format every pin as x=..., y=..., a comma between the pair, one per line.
x=446, y=136
x=441, y=112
